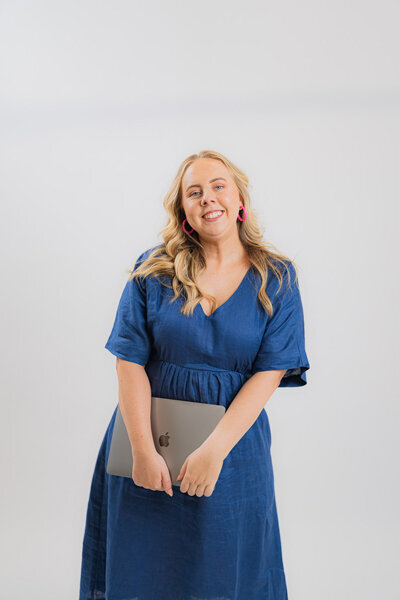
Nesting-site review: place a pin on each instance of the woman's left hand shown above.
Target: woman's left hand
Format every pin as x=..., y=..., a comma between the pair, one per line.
x=200, y=471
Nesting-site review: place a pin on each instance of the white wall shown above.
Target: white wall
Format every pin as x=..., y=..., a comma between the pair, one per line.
x=100, y=102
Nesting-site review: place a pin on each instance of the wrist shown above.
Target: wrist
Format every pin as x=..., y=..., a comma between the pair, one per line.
x=139, y=450
x=217, y=446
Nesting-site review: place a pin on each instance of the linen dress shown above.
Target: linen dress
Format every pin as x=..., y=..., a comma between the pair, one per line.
x=141, y=544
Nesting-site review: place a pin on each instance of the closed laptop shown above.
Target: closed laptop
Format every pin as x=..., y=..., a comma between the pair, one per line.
x=178, y=428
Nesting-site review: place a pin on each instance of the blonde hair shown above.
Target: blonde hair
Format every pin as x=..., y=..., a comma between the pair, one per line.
x=181, y=256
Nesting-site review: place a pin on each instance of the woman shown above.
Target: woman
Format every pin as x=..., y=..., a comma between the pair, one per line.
x=211, y=315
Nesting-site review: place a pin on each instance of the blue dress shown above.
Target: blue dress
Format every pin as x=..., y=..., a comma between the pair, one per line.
x=142, y=544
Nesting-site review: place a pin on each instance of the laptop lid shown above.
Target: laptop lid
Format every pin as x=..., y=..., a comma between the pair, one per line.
x=178, y=427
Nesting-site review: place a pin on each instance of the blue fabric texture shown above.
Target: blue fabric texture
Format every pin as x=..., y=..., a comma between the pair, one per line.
x=141, y=544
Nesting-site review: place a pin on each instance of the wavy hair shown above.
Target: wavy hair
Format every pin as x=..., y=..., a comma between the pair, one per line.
x=181, y=256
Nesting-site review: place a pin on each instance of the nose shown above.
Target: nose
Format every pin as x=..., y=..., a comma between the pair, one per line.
x=206, y=198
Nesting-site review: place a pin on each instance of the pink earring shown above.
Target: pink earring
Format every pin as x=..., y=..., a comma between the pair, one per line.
x=245, y=213
x=183, y=226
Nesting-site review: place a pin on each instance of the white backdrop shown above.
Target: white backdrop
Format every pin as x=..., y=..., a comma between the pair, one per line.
x=100, y=102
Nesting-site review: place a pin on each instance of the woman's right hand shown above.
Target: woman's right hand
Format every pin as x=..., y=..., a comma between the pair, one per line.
x=150, y=471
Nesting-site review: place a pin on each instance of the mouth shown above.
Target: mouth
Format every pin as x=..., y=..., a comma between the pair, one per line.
x=213, y=216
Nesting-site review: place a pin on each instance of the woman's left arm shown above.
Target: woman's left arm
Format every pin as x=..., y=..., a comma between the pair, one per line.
x=243, y=411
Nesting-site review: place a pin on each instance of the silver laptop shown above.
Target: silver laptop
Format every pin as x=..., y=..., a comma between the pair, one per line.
x=178, y=427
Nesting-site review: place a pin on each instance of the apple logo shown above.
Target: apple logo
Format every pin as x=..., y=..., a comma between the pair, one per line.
x=163, y=439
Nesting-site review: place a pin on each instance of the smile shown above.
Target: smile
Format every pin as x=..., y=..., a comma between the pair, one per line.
x=213, y=216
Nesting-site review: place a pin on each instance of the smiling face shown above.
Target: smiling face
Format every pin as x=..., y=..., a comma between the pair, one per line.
x=208, y=187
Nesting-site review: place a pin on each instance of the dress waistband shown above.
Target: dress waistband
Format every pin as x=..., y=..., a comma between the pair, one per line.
x=198, y=367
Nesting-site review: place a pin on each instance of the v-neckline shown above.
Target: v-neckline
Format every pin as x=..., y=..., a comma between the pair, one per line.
x=229, y=299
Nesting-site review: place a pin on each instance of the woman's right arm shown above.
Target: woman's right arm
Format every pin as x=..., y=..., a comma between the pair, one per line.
x=134, y=396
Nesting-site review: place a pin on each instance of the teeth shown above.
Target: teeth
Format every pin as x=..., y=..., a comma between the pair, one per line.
x=213, y=215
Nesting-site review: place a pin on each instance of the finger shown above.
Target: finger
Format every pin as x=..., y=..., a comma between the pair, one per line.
x=184, y=485
x=182, y=472
x=192, y=489
x=209, y=490
x=200, y=490
x=166, y=483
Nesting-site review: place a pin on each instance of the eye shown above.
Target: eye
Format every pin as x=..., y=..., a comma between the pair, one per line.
x=218, y=185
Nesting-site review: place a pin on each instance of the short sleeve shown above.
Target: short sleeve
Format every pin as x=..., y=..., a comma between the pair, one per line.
x=130, y=338
x=283, y=341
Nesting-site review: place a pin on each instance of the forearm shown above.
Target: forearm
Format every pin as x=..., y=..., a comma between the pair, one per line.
x=243, y=411
x=134, y=396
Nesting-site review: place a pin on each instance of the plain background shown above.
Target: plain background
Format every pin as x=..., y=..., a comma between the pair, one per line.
x=100, y=103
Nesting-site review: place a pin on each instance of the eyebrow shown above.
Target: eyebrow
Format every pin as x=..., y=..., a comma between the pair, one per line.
x=211, y=180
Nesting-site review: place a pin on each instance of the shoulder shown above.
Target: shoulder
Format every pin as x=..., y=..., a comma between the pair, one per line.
x=148, y=280
x=147, y=253
x=283, y=280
